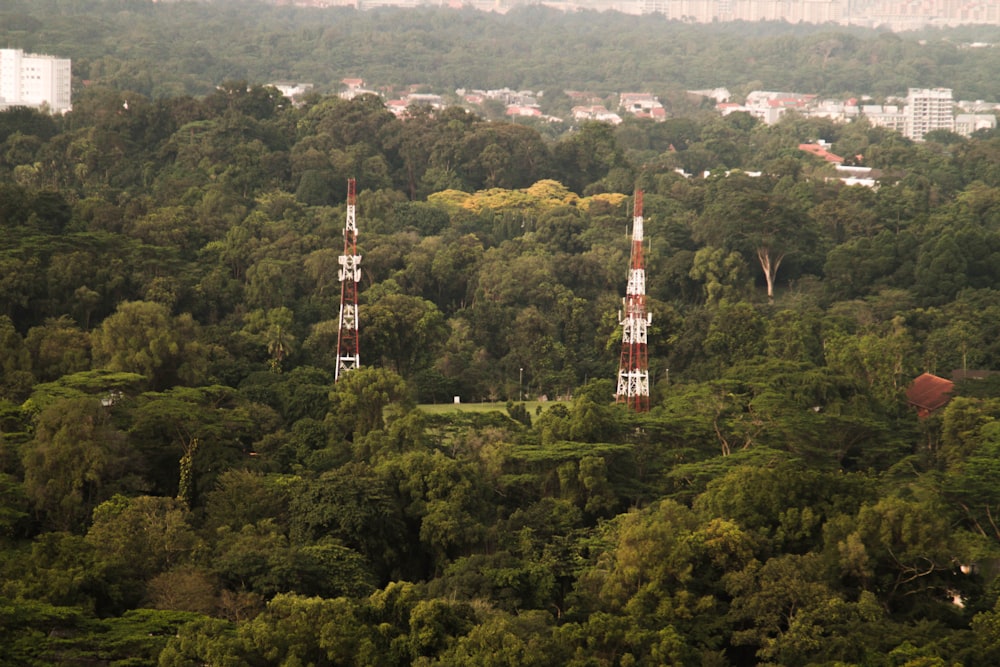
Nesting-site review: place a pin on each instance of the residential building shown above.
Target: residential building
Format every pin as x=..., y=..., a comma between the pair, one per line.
x=928, y=393
x=523, y=110
x=720, y=95
x=32, y=80
x=769, y=106
x=425, y=100
x=928, y=109
x=854, y=175
x=967, y=123
x=889, y=116
x=355, y=88
x=292, y=90
x=977, y=106
x=642, y=105
x=397, y=107
x=596, y=112
x=821, y=150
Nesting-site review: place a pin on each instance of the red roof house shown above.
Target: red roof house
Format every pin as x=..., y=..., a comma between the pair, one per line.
x=929, y=392
x=821, y=151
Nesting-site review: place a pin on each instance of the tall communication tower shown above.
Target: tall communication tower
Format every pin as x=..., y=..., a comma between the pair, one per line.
x=633, y=370
x=348, y=356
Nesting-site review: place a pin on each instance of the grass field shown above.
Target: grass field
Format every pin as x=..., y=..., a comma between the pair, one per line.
x=499, y=406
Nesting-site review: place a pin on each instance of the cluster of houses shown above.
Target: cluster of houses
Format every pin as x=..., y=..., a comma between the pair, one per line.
x=522, y=103
x=640, y=105
x=923, y=110
x=920, y=112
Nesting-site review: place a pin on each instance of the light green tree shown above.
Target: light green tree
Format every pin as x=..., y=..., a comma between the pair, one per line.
x=75, y=460
x=142, y=337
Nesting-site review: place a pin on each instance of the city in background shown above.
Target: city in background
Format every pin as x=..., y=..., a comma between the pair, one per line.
x=891, y=14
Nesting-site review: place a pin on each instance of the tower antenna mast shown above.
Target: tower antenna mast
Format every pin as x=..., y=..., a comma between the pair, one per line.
x=633, y=369
x=348, y=355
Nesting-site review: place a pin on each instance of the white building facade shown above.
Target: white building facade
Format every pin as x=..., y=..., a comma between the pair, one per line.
x=32, y=80
x=928, y=109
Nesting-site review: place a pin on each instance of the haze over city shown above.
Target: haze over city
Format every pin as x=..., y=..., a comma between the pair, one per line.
x=889, y=14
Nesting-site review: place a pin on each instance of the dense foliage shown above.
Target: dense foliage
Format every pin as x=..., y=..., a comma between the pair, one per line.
x=182, y=483
x=173, y=48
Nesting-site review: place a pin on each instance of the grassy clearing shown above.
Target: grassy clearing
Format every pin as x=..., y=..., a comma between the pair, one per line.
x=498, y=406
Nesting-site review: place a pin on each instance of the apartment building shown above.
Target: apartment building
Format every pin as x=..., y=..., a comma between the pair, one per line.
x=923, y=110
x=888, y=115
x=32, y=80
x=928, y=109
x=967, y=123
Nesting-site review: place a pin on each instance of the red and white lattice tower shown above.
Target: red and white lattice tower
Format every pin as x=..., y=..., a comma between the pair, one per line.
x=633, y=370
x=348, y=356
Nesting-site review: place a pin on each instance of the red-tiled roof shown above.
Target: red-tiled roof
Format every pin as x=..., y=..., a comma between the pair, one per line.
x=929, y=392
x=819, y=151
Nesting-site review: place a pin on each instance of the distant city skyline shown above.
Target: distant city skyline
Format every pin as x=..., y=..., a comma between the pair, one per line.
x=897, y=15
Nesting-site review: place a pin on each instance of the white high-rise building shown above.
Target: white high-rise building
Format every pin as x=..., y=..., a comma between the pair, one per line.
x=928, y=109
x=32, y=80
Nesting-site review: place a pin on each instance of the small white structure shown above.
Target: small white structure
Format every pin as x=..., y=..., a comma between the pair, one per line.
x=596, y=112
x=291, y=89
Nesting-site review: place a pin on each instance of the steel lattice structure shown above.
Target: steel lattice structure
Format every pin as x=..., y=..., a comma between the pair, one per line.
x=633, y=369
x=348, y=355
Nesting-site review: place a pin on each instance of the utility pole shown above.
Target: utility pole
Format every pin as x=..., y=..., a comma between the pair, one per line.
x=348, y=356
x=633, y=369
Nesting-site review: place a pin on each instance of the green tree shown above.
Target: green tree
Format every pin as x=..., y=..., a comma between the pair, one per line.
x=404, y=332
x=58, y=348
x=15, y=362
x=138, y=538
x=213, y=427
x=142, y=337
x=294, y=630
x=358, y=401
x=443, y=497
x=242, y=497
x=353, y=505
x=736, y=334
x=725, y=276
x=879, y=361
x=905, y=551
x=274, y=329
x=13, y=506
x=784, y=608
x=75, y=460
x=748, y=215
x=499, y=639
x=588, y=155
x=785, y=505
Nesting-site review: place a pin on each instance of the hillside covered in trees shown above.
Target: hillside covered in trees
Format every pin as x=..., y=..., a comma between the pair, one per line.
x=169, y=49
x=182, y=483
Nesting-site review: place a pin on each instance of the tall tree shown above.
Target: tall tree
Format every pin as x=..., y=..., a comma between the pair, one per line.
x=142, y=337
x=76, y=460
x=745, y=214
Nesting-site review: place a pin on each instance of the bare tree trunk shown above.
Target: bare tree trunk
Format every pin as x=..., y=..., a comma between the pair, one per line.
x=770, y=266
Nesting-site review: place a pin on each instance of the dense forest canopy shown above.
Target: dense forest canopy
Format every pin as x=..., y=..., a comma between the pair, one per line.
x=182, y=483
x=170, y=49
